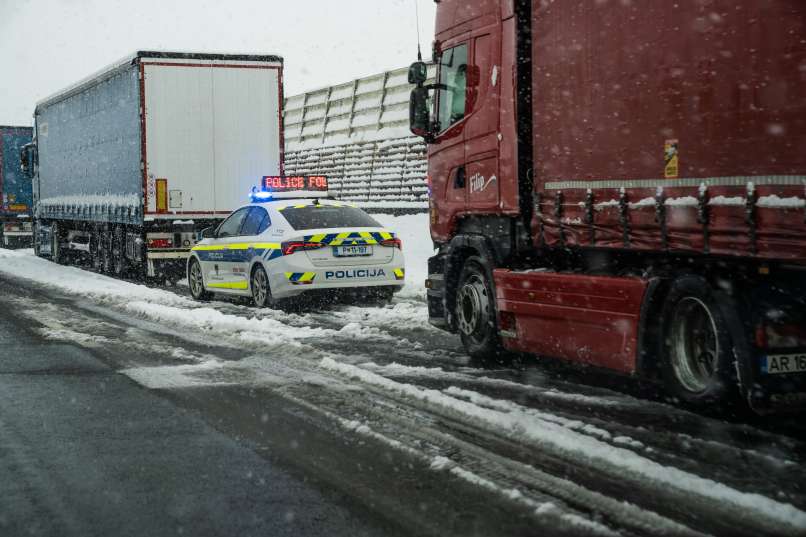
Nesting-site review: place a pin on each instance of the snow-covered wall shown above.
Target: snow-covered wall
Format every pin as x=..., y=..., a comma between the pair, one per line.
x=357, y=133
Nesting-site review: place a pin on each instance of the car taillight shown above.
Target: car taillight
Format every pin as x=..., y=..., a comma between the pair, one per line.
x=292, y=246
x=160, y=243
x=397, y=243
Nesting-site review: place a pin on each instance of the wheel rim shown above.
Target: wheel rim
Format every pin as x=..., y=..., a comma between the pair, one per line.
x=196, y=281
x=473, y=307
x=260, y=287
x=694, y=346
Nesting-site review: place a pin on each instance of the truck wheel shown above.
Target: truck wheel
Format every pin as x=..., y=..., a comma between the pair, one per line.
x=95, y=251
x=37, y=246
x=105, y=250
x=56, y=254
x=696, y=346
x=196, y=282
x=475, y=312
x=261, y=290
x=118, y=251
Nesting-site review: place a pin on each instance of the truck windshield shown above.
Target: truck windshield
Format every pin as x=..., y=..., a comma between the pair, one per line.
x=327, y=216
x=453, y=81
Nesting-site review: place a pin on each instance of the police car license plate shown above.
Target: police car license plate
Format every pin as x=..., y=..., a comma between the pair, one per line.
x=351, y=251
x=785, y=363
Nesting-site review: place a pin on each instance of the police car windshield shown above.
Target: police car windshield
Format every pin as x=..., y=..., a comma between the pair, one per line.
x=327, y=216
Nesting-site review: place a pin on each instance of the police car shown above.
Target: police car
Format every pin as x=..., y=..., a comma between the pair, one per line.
x=293, y=239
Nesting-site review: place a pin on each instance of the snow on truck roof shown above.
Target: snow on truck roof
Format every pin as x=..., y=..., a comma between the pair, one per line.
x=131, y=59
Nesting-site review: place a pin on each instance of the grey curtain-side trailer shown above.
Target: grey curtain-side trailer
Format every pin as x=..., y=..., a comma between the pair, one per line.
x=130, y=164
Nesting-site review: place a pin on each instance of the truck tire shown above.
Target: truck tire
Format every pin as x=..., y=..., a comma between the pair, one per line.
x=261, y=290
x=105, y=249
x=36, y=238
x=476, y=312
x=697, y=360
x=56, y=253
x=196, y=282
x=96, y=251
x=118, y=251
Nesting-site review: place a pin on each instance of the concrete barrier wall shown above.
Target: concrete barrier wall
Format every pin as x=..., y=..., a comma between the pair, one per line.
x=357, y=133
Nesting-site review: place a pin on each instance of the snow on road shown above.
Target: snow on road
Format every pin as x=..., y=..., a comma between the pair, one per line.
x=390, y=352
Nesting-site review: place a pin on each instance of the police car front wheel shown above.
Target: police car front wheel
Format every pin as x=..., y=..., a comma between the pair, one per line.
x=261, y=292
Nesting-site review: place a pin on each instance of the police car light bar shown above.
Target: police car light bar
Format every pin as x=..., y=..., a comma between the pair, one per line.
x=290, y=186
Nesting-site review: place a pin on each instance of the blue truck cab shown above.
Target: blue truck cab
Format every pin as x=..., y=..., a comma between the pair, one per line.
x=16, y=198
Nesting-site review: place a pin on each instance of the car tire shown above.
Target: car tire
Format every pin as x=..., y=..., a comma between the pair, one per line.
x=475, y=313
x=196, y=282
x=261, y=289
x=386, y=295
x=697, y=361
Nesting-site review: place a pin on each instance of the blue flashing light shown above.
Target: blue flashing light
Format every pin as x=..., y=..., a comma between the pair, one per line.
x=259, y=195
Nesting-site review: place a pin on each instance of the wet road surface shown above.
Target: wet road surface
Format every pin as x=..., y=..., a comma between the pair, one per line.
x=374, y=421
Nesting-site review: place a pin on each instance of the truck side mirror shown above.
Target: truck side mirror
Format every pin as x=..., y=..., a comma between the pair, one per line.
x=419, y=122
x=418, y=73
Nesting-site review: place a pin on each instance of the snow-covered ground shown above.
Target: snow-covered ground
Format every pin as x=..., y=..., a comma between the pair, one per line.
x=417, y=245
x=388, y=375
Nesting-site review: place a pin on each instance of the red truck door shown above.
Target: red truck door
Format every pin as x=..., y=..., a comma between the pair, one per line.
x=481, y=131
x=446, y=154
x=463, y=159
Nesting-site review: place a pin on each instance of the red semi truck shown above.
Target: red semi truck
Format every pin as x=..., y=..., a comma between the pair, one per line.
x=623, y=184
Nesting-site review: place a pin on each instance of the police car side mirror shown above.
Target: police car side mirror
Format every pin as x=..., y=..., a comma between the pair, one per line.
x=208, y=233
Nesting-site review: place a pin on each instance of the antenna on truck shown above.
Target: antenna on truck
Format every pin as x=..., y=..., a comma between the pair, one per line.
x=417, y=19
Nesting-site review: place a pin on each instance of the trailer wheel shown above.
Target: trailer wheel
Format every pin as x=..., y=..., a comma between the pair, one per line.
x=696, y=347
x=118, y=251
x=475, y=311
x=36, y=239
x=56, y=254
x=196, y=281
x=261, y=290
x=96, y=249
x=105, y=247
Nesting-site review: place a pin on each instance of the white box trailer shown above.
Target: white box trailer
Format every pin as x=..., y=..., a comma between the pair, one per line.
x=130, y=163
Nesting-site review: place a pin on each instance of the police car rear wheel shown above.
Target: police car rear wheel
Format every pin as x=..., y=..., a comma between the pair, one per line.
x=261, y=291
x=196, y=282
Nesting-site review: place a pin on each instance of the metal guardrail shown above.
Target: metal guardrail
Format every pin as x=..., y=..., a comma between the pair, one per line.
x=357, y=133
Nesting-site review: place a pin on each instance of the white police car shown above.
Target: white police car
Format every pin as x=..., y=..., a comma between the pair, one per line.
x=281, y=246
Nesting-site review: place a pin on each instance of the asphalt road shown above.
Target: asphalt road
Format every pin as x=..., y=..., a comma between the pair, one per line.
x=118, y=422
x=86, y=451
